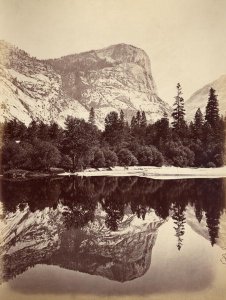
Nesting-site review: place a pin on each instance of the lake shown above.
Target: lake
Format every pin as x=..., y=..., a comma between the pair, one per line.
x=113, y=237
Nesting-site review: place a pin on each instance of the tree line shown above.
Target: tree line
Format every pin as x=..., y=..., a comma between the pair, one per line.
x=81, y=144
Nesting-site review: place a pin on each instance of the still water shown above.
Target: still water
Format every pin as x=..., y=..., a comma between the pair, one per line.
x=113, y=237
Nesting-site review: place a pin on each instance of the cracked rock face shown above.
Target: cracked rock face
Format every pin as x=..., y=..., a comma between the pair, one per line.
x=114, y=78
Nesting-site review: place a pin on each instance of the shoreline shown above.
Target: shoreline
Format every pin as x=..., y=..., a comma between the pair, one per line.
x=153, y=172
x=161, y=173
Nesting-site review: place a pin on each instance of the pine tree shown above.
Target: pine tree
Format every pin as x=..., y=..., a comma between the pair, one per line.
x=162, y=127
x=178, y=114
x=122, y=117
x=212, y=110
x=198, y=124
x=122, y=120
x=112, y=133
x=198, y=118
x=179, y=220
x=138, y=118
x=92, y=116
x=32, y=130
x=142, y=128
x=55, y=132
x=133, y=123
x=136, y=129
x=143, y=120
x=43, y=131
x=208, y=134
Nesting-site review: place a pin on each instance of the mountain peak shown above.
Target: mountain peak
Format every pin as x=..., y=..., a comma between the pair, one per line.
x=121, y=47
x=109, y=79
x=125, y=53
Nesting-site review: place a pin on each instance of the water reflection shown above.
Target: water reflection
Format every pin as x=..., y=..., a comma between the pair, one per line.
x=105, y=226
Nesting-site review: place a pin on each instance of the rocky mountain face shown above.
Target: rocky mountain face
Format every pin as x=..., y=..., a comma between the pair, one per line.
x=31, y=89
x=40, y=237
x=199, y=98
x=114, y=78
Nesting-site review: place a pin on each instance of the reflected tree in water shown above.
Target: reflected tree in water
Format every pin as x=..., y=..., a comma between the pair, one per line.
x=213, y=206
x=178, y=210
x=80, y=198
x=179, y=220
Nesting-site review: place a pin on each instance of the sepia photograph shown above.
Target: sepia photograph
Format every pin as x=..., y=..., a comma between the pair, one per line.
x=112, y=149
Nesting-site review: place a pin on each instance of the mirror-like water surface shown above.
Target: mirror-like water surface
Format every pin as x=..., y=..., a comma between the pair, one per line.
x=113, y=236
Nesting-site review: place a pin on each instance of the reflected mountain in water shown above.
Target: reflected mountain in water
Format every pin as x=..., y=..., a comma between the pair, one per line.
x=122, y=255
x=32, y=238
x=102, y=226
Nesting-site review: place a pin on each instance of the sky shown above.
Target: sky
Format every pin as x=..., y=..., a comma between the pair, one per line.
x=185, y=39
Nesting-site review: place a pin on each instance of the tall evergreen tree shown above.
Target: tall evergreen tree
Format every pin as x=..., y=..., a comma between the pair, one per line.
x=112, y=133
x=122, y=121
x=92, y=116
x=124, y=129
x=122, y=117
x=138, y=118
x=136, y=129
x=198, y=124
x=55, y=133
x=178, y=114
x=212, y=111
x=32, y=131
x=143, y=127
x=43, y=131
x=133, y=123
x=143, y=120
x=162, y=127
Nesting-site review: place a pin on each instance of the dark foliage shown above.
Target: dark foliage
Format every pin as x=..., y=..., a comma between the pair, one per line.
x=81, y=144
x=117, y=196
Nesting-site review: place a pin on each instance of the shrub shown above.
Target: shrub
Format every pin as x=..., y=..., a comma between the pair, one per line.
x=179, y=155
x=111, y=159
x=150, y=156
x=98, y=159
x=211, y=165
x=66, y=162
x=17, y=155
x=126, y=158
x=45, y=155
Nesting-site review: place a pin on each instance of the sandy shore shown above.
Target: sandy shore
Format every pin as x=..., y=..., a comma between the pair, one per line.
x=155, y=172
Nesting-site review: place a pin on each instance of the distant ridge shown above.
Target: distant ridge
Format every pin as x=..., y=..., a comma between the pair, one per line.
x=200, y=97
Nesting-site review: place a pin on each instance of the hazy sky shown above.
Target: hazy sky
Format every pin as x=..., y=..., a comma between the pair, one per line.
x=185, y=39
